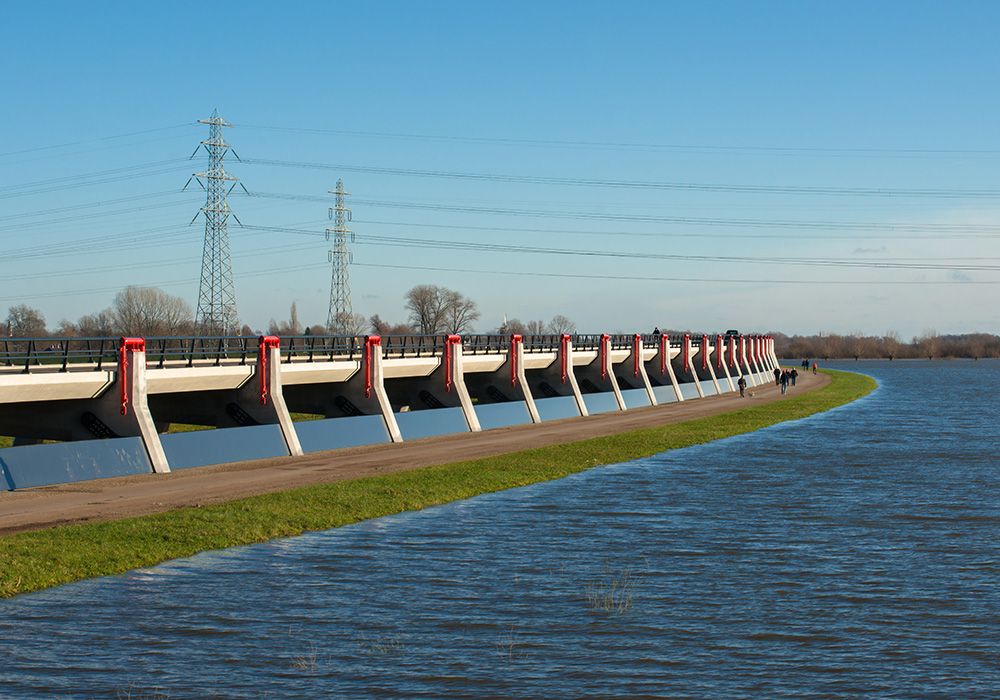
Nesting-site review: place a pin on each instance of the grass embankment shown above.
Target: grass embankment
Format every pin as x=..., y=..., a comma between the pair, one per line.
x=34, y=560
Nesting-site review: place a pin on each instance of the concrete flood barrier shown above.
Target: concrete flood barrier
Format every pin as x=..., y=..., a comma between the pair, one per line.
x=109, y=403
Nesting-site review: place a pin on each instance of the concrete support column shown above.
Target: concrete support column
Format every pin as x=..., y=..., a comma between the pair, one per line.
x=752, y=379
x=569, y=375
x=720, y=361
x=455, y=380
x=706, y=363
x=268, y=376
x=635, y=363
x=688, y=360
x=374, y=384
x=608, y=370
x=131, y=383
x=661, y=366
x=516, y=359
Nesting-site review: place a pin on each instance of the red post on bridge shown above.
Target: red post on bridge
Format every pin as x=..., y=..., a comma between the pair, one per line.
x=371, y=342
x=264, y=344
x=449, y=342
x=687, y=352
x=515, y=341
x=126, y=346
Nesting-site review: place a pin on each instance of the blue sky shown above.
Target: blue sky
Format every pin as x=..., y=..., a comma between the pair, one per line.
x=892, y=96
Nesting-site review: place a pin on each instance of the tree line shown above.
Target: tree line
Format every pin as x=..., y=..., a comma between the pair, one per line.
x=148, y=312
x=929, y=345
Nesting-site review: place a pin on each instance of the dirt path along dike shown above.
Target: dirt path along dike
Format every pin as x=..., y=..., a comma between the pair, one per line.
x=112, y=499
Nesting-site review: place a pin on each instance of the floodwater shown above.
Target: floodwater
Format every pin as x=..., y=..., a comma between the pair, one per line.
x=852, y=553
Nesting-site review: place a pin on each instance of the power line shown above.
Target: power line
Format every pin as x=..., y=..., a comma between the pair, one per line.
x=659, y=234
x=97, y=139
x=580, y=143
x=698, y=280
x=375, y=239
x=642, y=185
x=653, y=219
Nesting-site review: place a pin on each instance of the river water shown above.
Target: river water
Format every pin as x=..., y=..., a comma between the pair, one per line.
x=851, y=553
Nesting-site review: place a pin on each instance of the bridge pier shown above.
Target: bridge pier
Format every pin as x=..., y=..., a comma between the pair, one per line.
x=550, y=377
x=338, y=387
x=659, y=368
x=595, y=375
x=631, y=375
x=495, y=379
x=720, y=361
x=415, y=386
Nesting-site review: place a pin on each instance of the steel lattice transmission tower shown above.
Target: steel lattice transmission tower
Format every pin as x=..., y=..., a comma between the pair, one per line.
x=216, y=312
x=340, y=283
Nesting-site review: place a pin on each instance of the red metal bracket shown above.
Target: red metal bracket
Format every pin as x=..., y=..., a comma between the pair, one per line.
x=687, y=353
x=126, y=346
x=515, y=340
x=664, y=349
x=563, y=354
x=264, y=344
x=371, y=340
x=448, y=343
x=704, y=351
x=603, y=354
x=720, y=351
x=636, y=340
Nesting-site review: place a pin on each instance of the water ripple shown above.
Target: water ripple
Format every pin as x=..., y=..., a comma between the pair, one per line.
x=853, y=553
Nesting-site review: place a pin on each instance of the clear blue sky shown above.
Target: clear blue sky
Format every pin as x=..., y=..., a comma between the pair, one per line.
x=891, y=95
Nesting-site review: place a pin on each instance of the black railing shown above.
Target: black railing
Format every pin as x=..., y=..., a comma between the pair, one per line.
x=59, y=353
x=541, y=343
x=191, y=350
x=319, y=348
x=412, y=345
x=621, y=341
x=587, y=342
x=485, y=344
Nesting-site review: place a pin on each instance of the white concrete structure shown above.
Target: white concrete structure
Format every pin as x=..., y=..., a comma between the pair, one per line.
x=247, y=382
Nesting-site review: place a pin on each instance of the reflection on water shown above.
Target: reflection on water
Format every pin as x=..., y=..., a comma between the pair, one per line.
x=853, y=553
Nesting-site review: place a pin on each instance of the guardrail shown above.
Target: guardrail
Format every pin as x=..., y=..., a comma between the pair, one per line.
x=412, y=345
x=316, y=348
x=190, y=350
x=541, y=343
x=96, y=353
x=61, y=353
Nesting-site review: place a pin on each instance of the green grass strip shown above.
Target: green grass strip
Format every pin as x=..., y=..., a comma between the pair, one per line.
x=34, y=560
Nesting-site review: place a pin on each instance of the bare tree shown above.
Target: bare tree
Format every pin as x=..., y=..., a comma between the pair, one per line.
x=349, y=324
x=426, y=304
x=459, y=312
x=24, y=321
x=436, y=309
x=535, y=328
x=560, y=324
x=512, y=326
x=146, y=311
x=290, y=327
x=97, y=325
x=380, y=327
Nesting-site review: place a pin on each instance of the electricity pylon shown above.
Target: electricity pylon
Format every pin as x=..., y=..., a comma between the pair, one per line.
x=340, y=283
x=216, y=312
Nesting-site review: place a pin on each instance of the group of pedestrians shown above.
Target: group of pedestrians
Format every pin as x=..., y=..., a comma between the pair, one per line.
x=784, y=377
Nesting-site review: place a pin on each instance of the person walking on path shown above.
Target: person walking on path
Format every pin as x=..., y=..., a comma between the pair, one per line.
x=814, y=368
x=777, y=376
x=784, y=382
x=742, y=384
x=794, y=375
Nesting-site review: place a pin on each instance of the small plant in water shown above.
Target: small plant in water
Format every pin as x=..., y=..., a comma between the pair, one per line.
x=612, y=593
x=507, y=644
x=306, y=662
x=136, y=692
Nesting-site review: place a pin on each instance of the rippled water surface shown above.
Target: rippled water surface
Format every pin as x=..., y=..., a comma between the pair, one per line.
x=852, y=553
